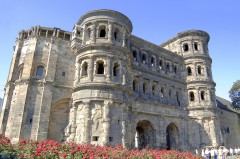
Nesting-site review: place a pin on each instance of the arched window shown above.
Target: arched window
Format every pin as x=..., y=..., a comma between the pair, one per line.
x=162, y=92
x=100, y=67
x=143, y=58
x=152, y=61
x=160, y=64
x=153, y=90
x=134, y=53
x=175, y=69
x=134, y=85
x=116, y=69
x=170, y=93
x=144, y=88
x=189, y=71
x=195, y=45
x=85, y=69
x=199, y=69
x=202, y=95
x=185, y=47
x=102, y=33
x=191, y=96
x=88, y=33
x=178, y=100
x=39, y=71
x=20, y=72
x=116, y=33
x=168, y=67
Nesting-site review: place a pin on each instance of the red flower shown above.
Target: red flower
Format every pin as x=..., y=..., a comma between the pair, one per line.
x=22, y=156
x=64, y=155
x=23, y=141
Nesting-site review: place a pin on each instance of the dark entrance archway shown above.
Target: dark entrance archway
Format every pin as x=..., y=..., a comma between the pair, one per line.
x=145, y=135
x=172, y=137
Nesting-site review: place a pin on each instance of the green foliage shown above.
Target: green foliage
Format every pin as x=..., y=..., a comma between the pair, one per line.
x=234, y=94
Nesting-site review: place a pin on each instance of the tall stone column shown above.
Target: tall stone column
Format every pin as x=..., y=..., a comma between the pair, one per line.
x=162, y=132
x=108, y=70
x=77, y=73
x=90, y=68
x=87, y=123
x=213, y=130
x=84, y=35
x=124, y=38
x=124, y=126
x=72, y=122
x=110, y=26
x=93, y=35
x=106, y=122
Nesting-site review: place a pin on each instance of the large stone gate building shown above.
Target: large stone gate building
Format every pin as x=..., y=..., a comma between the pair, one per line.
x=100, y=84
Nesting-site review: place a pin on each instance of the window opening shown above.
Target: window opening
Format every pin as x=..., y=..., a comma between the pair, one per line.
x=100, y=67
x=178, y=101
x=143, y=58
x=202, y=95
x=134, y=86
x=160, y=64
x=63, y=74
x=153, y=90
x=95, y=138
x=85, y=69
x=189, y=71
x=175, y=69
x=88, y=33
x=144, y=88
x=116, y=69
x=134, y=53
x=195, y=46
x=162, y=92
x=102, y=31
x=192, y=98
x=152, y=61
x=39, y=72
x=116, y=34
x=199, y=70
x=185, y=47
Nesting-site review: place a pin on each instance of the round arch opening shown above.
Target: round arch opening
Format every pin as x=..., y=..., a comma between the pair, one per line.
x=145, y=135
x=172, y=137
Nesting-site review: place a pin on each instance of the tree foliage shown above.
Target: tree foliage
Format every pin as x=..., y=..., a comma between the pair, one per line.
x=234, y=94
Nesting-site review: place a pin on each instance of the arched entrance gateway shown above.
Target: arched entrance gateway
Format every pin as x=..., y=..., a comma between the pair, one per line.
x=58, y=120
x=172, y=137
x=145, y=134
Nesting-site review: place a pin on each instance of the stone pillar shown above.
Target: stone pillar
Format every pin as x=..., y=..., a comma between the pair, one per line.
x=162, y=132
x=124, y=38
x=213, y=132
x=72, y=122
x=77, y=73
x=124, y=126
x=87, y=123
x=84, y=35
x=108, y=69
x=110, y=26
x=197, y=96
x=106, y=122
x=90, y=68
x=58, y=32
x=44, y=113
x=93, y=33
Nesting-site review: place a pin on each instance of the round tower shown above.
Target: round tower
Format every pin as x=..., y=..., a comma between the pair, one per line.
x=193, y=46
x=200, y=85
x=101, y=84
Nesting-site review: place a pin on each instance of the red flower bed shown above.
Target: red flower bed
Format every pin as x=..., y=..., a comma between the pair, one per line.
x=50, y=149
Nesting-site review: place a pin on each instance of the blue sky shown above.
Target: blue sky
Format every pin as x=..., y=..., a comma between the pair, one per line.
x=153, y=20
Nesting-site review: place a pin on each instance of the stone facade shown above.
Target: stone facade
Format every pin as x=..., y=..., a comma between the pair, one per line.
x=100, y=84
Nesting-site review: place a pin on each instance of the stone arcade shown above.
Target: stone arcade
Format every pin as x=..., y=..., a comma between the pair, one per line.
x=100, y=84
